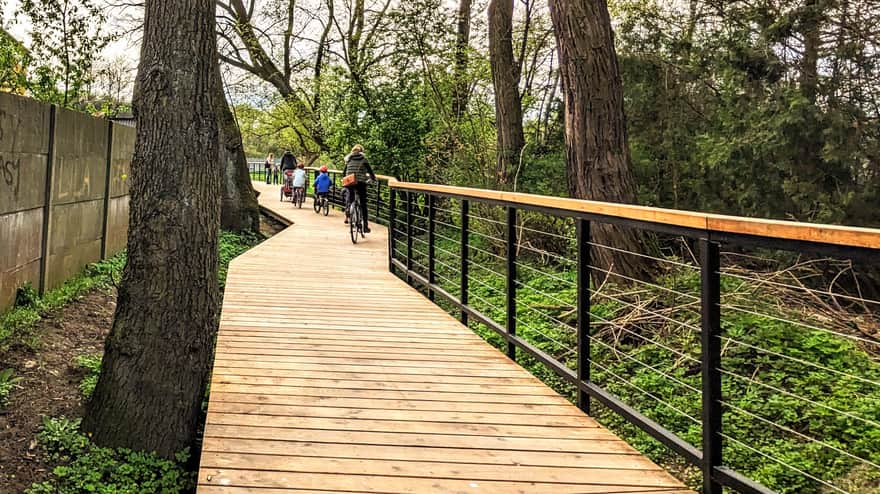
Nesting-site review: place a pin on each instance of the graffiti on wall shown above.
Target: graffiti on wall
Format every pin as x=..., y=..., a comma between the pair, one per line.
x=10, y=169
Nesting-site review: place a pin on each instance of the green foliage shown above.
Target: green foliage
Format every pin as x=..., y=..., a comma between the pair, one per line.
x=89, y=468
x=68, y=37
x=720, y=117
x=233, y=245
x=29, y=308
x=14, y=62
x=92, y=364
x=8, y=382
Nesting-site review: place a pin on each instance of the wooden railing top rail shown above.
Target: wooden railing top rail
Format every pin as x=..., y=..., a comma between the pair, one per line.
x=846, y=236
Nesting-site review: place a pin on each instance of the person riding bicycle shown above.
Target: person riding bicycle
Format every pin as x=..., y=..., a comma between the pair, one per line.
x=323, y=183
x=356, y=163
x=299, y=179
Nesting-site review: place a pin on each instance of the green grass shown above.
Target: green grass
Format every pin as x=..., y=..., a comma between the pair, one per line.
x=92, y=365
x=30, y=308
x=658, y=368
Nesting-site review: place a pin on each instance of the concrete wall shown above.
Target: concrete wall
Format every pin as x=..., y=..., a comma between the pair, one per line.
x=56, y=198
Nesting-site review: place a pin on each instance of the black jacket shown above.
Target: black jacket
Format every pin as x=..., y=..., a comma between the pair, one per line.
x=288, y=161
x=358, y=164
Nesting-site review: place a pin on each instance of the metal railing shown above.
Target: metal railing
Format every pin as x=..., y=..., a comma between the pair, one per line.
x=438, y=235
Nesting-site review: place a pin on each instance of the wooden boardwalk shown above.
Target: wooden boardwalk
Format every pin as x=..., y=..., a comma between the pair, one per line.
x=332, y=375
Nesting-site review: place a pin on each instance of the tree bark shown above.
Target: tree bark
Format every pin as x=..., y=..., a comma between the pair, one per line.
x=239, y=210
x=157, y=356
x=597, y=153
x=460, y=93
x=505, y=77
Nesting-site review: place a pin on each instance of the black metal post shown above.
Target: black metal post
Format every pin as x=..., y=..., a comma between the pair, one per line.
x=378, y=200
x=710, y=288
x=392, y=217
x=409, y=235
x=511, y=280
x=583, y=310
x=465, y=241
x=431, y=240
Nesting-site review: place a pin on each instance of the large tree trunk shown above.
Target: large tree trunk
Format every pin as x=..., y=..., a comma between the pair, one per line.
x=157, y=356
x=505, y=76
x=462, y=42
x=597, y=153
x=239, y=211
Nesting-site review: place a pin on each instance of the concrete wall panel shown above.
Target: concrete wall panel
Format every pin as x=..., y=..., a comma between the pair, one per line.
x=80, y=157
x=74, y=239
x=120, y=164
x=24, y=147
x=22, y=234
x=117, y=225
x=11, y=280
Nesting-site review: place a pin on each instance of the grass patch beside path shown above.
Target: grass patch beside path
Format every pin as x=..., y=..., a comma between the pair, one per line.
x=29, y=307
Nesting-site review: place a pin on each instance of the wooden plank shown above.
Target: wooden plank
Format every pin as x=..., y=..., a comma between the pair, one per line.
x=480, y=417
x=294, y=391
x=278, y=403
x=653, y=477
x=625, y=459
x=226, y=372
x=559, y=445
x=400, y=484
x=323, y=382
x=411, y=427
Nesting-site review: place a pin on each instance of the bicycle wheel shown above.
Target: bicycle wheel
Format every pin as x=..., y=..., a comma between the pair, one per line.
x=354, y=221
x=316, y=204
x=326, y=207
x=299, y=199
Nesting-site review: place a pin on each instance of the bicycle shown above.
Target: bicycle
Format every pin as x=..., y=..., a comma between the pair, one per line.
x=321, y=202
x=299, y=195
x=355, y=222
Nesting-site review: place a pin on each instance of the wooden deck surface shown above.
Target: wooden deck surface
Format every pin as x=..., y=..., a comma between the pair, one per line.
x=332, y=375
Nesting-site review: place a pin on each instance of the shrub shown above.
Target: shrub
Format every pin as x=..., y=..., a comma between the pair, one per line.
x=89, y=468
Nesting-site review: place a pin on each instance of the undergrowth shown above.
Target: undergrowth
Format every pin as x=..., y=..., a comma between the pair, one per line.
x=85, y=467
x=92, y=365
x=233, y=245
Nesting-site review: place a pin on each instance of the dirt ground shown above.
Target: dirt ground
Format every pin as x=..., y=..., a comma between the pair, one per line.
x=50, y=379
x=49, y=385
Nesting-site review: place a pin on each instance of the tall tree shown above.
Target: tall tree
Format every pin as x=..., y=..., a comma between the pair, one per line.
x=157, y=356
x=597, y=152
x=239, y=210
x=505, y=76
x=69, y=37
x=462, y=43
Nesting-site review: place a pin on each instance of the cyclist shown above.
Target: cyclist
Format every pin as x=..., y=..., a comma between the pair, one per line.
x=299, y=180
x=356, y=163
x=322, y=184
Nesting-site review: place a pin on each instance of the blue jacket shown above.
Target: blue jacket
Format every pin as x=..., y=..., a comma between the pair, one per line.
x=322, y=183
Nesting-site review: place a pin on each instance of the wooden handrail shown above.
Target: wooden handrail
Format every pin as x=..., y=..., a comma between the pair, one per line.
x=846, y=236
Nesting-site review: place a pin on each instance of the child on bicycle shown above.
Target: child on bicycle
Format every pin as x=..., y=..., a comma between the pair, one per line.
x=322, y=184
x=299, y=179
